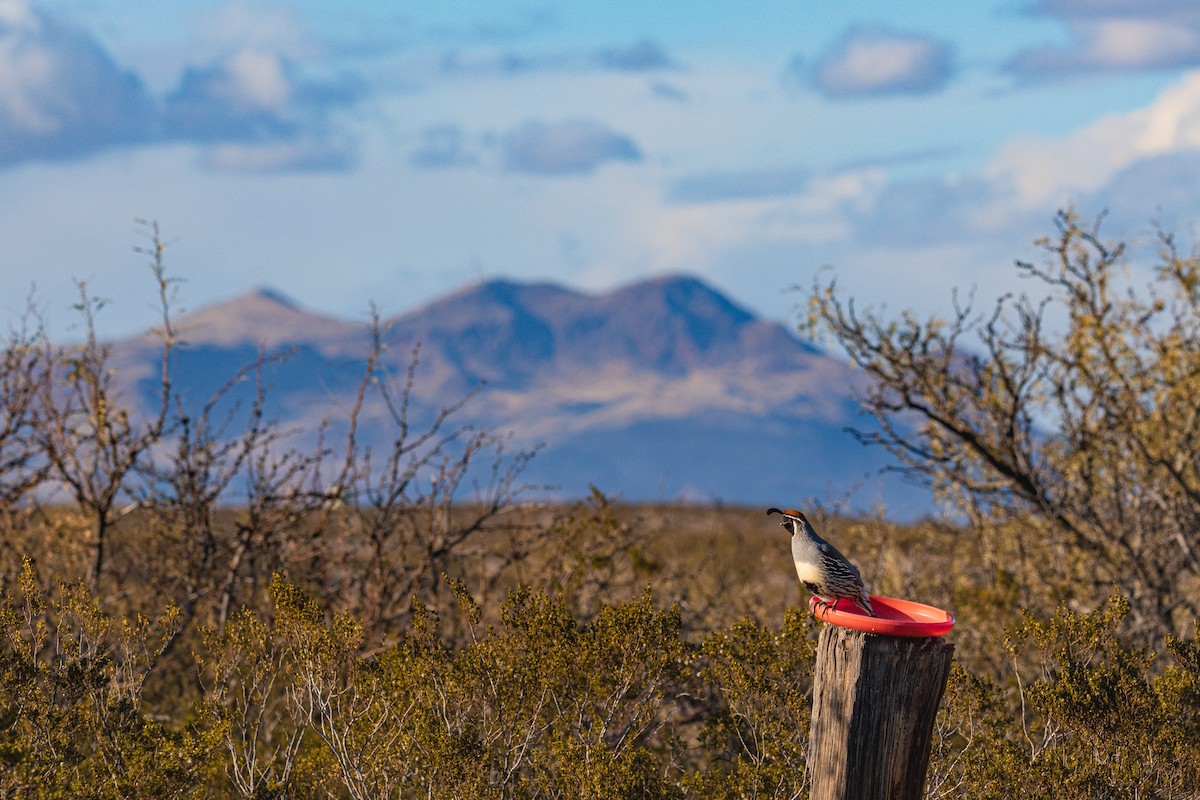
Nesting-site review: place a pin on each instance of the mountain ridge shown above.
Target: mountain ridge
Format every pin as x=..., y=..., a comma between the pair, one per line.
x=661, y=389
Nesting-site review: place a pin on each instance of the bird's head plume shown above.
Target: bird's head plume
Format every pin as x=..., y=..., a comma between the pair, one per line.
x=791, y=516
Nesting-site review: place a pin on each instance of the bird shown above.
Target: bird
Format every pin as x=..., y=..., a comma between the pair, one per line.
x=821, y=567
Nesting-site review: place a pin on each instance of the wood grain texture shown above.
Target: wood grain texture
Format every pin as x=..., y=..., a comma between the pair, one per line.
x=875, y=699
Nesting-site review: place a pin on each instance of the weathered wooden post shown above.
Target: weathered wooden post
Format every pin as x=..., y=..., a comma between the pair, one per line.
x=875, y=698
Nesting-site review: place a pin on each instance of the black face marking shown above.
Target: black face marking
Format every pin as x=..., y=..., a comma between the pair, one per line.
x=812, y=587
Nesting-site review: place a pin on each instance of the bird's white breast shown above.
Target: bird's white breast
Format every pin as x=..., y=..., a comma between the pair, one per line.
x=809, y=573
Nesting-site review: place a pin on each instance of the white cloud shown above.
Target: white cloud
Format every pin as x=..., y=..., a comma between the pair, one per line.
x=443, y=146
x=1140, y=42
x=1108, y=36
x=569, y=147
x=17, y=14
x=873, y=61
x=248, y=26
x=61, y=94
x=695, y=236
x=638, y=57
x=1045, y=169
x=256, y=80
x=712, y=187
x=306, y=153
x=642, y=56
x=256, y=107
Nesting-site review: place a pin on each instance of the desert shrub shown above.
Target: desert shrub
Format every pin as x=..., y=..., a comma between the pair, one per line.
x=296, y=703
x=756, y=737
x=540, y=705
x=1109, y=726
x=1085, y=714
x=1069, y=420
x=72, y=719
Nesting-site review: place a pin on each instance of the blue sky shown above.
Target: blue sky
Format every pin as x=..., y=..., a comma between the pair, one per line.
x=349, y=152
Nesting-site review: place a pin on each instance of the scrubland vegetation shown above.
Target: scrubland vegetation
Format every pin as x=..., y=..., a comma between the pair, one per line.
x=202, y=609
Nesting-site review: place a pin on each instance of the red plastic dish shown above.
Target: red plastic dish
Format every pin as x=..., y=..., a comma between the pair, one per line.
x=896, y=617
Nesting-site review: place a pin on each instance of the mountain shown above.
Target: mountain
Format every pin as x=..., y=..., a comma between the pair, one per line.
x=661, y=390
x=264, y=317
